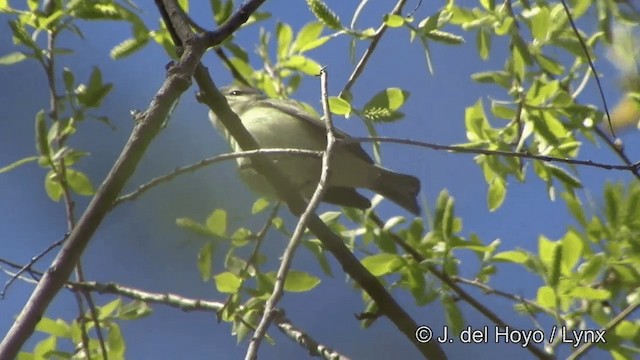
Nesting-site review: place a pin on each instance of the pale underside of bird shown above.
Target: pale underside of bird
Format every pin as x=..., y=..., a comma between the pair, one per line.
x=284, y=124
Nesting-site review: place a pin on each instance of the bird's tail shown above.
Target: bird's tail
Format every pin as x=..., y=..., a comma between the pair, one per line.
x=400, y=188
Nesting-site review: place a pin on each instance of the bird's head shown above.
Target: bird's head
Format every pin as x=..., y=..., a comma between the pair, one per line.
x=241, y=95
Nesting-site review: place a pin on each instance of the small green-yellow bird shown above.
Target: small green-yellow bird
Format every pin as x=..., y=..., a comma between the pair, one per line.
x=284, y=124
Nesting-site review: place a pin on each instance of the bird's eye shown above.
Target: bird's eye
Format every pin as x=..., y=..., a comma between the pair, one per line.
x=236, y=92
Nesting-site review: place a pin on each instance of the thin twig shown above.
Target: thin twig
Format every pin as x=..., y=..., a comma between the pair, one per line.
x=593, y=68
x=490, y=290
x=253, y=258
x=449, y=281
x=177, y=82
x=191, y=304
x=302, y=338
x=610, y=326
x=31, y=262
x=332, y=242
x=212, y=160
x=633, y=167
x=287, y=257
x=462, y=149
x=61, y=171
x=372, y=47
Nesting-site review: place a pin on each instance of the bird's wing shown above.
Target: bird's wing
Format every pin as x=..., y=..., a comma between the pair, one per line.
x=317, y=125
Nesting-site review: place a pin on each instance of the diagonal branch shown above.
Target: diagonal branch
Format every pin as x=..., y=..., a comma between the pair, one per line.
x=332, y=242
x=633, y=167
x=178, y=81
x=367, y=54
x=212, y=160
x=190, y=304
x=287, y=257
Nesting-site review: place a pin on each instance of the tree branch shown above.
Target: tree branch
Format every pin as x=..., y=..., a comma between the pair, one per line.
x=388, y=306
x=178, y=80
x=287, y=257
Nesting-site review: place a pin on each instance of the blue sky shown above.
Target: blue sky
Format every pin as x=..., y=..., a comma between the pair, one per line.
x=139, y=244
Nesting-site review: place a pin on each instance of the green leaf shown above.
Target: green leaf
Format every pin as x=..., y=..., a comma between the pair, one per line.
x=612, y=199
x=70, y=156
x=324, y=14
x=90, y=10
x=496, y=194
x=128, y=47
x=476, y=122
x=247, y=323
x=314, y=44
x=589, y=293
x=205, y=261
x=41, y=135
x=448, y=218
x=627, y=330
x=108, y=309
x=488, y=4
x=518, y=64
x=243, y=67
x=575, y=208
x=20, y=36
x=444, y=37
x=554, y=263
x=194, y=226
x=483, y=42
x=562, y=175
x=92, y=95
x=221, y=10
x=300, y=281
x=227, y=283
x=68, y=78
x=241, y=237
x=571, y=251
x=52, y=186
x=501, y=78
x=115, y=342
x=284, y=35
x=44, y=347
x=382, y=264
x=453, y=315
x=414, y=279
x=302, y=63
x=57, y=327
x=429, y=23
x=133, y=310
x=217, y=222
x=257, y=17
x=339, y=106
x=315, y=246
x=502, y=111
x=549, y=64
x=79, y=182
x=394, y=221
x=18, y=163
x=259, y=206
x=393, y=20
x=13, y=58
x=541, y=25
x=504, y=27
x=383, y=106
x=307, y=37
x=514, y=256
x=546, y=297
x=589, y=271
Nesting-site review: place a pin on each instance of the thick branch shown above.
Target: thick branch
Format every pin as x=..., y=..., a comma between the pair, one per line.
x=178, y=81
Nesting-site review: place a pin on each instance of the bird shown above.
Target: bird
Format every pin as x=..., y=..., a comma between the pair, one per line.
x=275, y=123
